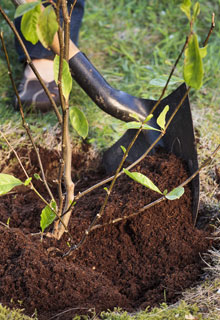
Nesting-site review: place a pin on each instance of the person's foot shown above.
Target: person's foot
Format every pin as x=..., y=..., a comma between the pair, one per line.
x=30, y=90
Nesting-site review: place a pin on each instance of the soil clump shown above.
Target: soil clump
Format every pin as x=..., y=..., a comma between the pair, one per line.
x=132, y=264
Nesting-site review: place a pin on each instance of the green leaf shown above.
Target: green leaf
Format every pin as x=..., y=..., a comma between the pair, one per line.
x=175, y=193
x=132, y=125
x=193, y=66
x=161, y=120
x=8, y=182
x=106, y=189
x=66, y=76
x=162, y=80
x=185, y=7
x=196, y=10
x=137, y=125
x=135, y=116
x=37, y=176
x=29, y=23
x=8, y=221
x=23, y=8
x=203, y=52
x=72, y=203
x=47, y=26
x=47, y=216
x=27, y=181
x=68, y=244
x=123, y=149
x=149, y=117
x=142, y=179
x=147, y=127
x=79, y=122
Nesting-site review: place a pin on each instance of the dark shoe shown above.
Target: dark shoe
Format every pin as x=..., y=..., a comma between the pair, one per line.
x=30, y=90
x=33, y=95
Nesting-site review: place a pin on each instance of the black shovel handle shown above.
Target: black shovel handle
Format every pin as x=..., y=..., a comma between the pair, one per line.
x=117, y=103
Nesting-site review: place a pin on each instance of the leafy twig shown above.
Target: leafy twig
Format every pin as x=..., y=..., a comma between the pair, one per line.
x=32, y=186
x=204, y=164
x=30, y=63
x=118, y=173
x=105, y=181
x=25, y=125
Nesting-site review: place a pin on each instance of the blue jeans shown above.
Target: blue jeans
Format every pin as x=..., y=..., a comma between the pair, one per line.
x=37, y=51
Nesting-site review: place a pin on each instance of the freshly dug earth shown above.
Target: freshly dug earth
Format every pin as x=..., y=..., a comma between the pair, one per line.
x=133, y=264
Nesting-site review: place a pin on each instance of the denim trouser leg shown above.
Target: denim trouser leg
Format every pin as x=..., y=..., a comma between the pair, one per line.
x=37, y=51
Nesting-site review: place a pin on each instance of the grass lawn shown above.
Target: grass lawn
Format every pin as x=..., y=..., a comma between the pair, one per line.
x=132, y=43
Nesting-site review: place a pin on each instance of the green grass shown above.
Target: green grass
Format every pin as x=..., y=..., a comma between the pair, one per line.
x=180, y=311
x=13, y=314
x=140, y=41
x=131, y=43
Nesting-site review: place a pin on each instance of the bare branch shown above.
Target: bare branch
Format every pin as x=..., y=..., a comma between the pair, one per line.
x=210, y=30
x=72, y=7
x=16, y=155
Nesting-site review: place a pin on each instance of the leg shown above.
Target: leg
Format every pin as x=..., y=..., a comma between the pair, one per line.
x=30, y=90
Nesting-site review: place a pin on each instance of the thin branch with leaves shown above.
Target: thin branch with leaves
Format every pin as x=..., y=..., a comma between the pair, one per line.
x=191, y=50
x=105, y=181
x=24, y=123
x=117, y=174
x=29, y=182
x=143, y=209
x=30, y=63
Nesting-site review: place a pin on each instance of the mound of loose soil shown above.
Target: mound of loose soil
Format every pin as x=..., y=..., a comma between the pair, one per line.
x=131, y=264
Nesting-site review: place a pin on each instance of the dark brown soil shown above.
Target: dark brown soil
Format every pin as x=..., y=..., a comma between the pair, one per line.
x=132, y=264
